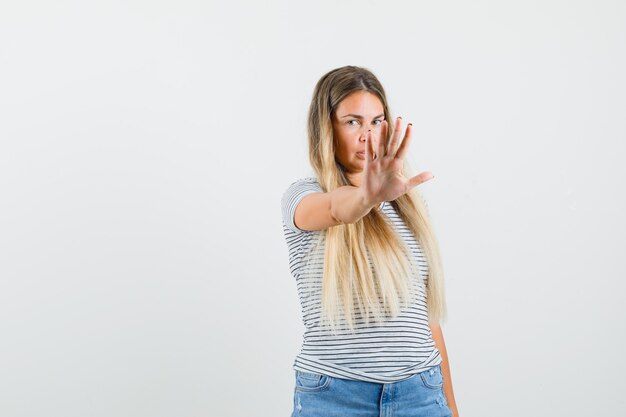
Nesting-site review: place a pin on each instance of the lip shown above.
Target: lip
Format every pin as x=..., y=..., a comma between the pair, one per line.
x=360, y=154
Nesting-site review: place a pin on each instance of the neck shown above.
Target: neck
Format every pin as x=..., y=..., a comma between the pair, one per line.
x=354, y=178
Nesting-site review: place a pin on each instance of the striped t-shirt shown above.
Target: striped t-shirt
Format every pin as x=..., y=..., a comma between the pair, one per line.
x=385, y=352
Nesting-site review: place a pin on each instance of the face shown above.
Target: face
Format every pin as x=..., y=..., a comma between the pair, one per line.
x=356, y=114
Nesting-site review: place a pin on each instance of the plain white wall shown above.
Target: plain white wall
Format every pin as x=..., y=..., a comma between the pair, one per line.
x=145, y=146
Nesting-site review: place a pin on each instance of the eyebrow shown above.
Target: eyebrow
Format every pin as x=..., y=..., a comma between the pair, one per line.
x=358, y=116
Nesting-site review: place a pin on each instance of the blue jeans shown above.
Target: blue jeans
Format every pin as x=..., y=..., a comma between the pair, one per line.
x=421, y=395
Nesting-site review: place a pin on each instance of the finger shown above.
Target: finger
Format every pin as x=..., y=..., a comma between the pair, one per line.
x=371, y=145
x=395, y=134
x=380, y=144
x=383, y=135
x=404, y=146
x=420, y=178
x=368, y=151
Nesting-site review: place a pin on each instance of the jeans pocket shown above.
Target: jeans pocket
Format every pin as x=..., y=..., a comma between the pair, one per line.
x=433, y=378
x=311, y=381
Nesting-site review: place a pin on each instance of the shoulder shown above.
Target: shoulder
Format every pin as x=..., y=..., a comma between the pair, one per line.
x=305, y=184
x=295, y=192
x=304, y=181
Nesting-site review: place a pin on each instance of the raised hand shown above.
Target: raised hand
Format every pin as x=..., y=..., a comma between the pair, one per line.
x=382, y=178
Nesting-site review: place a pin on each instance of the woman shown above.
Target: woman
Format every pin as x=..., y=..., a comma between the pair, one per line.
x=366, y=263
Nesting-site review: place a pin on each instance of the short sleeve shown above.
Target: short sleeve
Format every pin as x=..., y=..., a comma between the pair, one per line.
x=292, y=196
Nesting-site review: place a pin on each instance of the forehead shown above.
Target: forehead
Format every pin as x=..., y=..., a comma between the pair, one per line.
x=362, y=103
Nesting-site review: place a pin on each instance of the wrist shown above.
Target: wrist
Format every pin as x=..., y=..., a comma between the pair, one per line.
x=365, y=202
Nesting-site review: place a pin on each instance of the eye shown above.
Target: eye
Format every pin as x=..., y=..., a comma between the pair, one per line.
x=350, y=122
x=378, y=121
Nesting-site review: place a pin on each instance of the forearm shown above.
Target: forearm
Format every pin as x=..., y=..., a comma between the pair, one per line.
x=348, y=204
x=445, y=368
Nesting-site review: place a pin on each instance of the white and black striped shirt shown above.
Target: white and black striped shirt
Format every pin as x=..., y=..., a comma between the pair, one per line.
x=386, y=352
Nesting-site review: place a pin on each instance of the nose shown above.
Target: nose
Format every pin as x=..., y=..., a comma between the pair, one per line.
x=363, y=135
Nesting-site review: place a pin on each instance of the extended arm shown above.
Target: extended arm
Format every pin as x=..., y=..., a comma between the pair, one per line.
x=381, y=180
x=319, y=211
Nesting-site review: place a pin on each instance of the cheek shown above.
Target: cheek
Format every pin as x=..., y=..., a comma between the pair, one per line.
x=345, y=147
x=348, y=136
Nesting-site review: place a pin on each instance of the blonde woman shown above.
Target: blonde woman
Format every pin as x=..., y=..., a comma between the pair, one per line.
x=366, y=263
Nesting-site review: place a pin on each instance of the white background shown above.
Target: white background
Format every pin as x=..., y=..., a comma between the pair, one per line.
x=145, y=146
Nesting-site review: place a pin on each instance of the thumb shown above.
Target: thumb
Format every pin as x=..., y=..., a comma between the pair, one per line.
x=420, y=178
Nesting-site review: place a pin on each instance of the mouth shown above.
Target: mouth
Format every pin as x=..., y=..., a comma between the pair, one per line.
x=360, y=154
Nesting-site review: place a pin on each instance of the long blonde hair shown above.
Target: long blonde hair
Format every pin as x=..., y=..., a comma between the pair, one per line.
x=367, y=266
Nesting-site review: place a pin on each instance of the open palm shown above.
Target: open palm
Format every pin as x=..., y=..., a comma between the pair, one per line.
x=382, y=178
